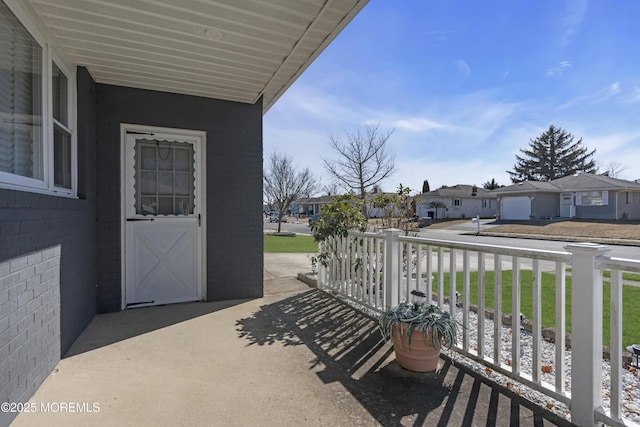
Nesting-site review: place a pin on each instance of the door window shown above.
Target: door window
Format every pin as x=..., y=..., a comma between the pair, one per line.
x=164, y=178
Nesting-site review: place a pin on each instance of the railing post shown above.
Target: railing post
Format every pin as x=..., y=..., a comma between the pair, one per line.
x=586, y=332
x=391, y=267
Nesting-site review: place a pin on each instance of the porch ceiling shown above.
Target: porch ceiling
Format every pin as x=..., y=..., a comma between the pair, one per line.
x=236, y=50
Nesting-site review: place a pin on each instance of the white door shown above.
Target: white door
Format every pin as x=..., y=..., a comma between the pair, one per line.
x=515, y=208
x=566, y=201
x=163, y=242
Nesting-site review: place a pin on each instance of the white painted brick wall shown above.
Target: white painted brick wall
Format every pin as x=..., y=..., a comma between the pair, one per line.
x=29, y=323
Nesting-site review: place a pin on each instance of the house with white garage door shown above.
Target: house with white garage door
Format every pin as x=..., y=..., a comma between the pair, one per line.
x=583, y=195
x=457, y=201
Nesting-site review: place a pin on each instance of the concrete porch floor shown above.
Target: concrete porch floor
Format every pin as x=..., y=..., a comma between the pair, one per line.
x=294, y=357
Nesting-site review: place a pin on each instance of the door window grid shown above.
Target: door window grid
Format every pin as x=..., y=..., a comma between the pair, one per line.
x=164, y=178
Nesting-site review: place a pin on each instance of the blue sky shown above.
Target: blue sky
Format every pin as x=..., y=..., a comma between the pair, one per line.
x=466, y=84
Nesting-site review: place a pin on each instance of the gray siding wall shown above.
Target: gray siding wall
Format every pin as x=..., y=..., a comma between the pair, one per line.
x=598, y=212
x=234, y=185
x=545, y=205
x=628, y=211
x=47, y=269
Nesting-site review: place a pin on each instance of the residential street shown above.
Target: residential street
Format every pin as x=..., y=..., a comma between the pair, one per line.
x=455, y=233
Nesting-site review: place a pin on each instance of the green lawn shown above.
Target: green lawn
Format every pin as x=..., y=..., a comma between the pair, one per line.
x=298, y=244
x=635, y=277
x=630, y=297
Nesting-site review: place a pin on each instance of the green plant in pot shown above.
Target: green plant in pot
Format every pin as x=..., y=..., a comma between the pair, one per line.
x=418, y=330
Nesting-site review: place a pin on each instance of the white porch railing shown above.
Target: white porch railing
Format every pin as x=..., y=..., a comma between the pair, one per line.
x=377, y=271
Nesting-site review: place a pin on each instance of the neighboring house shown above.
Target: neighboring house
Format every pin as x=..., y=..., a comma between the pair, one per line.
x=310, y=205
x=458, y=201
x=583, y=195
x=131, y=158
x=379, y=212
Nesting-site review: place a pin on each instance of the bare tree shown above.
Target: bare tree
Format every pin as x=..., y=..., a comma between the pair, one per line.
x=612, y=169
x=363, y=160
x=283, y=183
x=331, y=189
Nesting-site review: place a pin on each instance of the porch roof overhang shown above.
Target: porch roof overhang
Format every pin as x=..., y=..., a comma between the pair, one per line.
x=235, y=50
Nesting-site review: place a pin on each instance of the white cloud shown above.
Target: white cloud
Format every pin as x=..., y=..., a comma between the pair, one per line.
x=633, y=96
x=610, y=146
x=559, y=70
x=605, y=93
x=463, y=70
x=571, y=21
x=415, y=124
x=596, y=97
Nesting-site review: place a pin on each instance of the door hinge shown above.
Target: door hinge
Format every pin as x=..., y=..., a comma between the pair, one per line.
x=198, y=220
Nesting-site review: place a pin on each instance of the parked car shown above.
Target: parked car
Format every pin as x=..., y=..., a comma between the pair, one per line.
x=274, y=217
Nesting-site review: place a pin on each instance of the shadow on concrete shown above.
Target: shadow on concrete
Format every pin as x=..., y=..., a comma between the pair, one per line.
x=348, y=345
x=109, y=328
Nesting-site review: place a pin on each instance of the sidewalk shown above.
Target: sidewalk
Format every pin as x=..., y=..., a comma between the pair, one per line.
x=294, y=357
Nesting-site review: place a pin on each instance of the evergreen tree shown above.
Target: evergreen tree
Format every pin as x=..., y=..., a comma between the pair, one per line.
x=491, y=185
x=425, y=186
x=554, y=154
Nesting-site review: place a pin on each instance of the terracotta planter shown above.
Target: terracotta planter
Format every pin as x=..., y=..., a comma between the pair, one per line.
x=422, y=357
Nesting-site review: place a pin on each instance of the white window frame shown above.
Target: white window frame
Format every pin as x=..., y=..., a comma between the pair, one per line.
x=70, y=127
x=590, y=195
x=457, y=203
x=49, y=55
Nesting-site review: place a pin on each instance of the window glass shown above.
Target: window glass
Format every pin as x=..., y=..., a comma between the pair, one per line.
x=592, y=198
x=20, y=98
x=61, y=158
x=59, y=95
x=164, y=175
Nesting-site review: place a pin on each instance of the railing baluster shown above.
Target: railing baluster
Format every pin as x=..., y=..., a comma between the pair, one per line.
x=429, y=274
x=515, y=315
x=378, y=268
x=481, y=304
x=369, y=245
x=407, y=291
x=561, y=324
x=452, y=282
x=537, y=321
x=616, y=341
x=401, y=247
x=466, y=281
x=362, y=271
x=418, y=266
x=349, y=271
x=440, y=276
x=497, y=309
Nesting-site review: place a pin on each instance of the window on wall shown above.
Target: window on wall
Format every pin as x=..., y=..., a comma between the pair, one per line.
x=457, y=202
x=486, y=203
x=20, y=100
x=592, y=198
x=61, y=130
x=37, y=146
x=627, y=197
